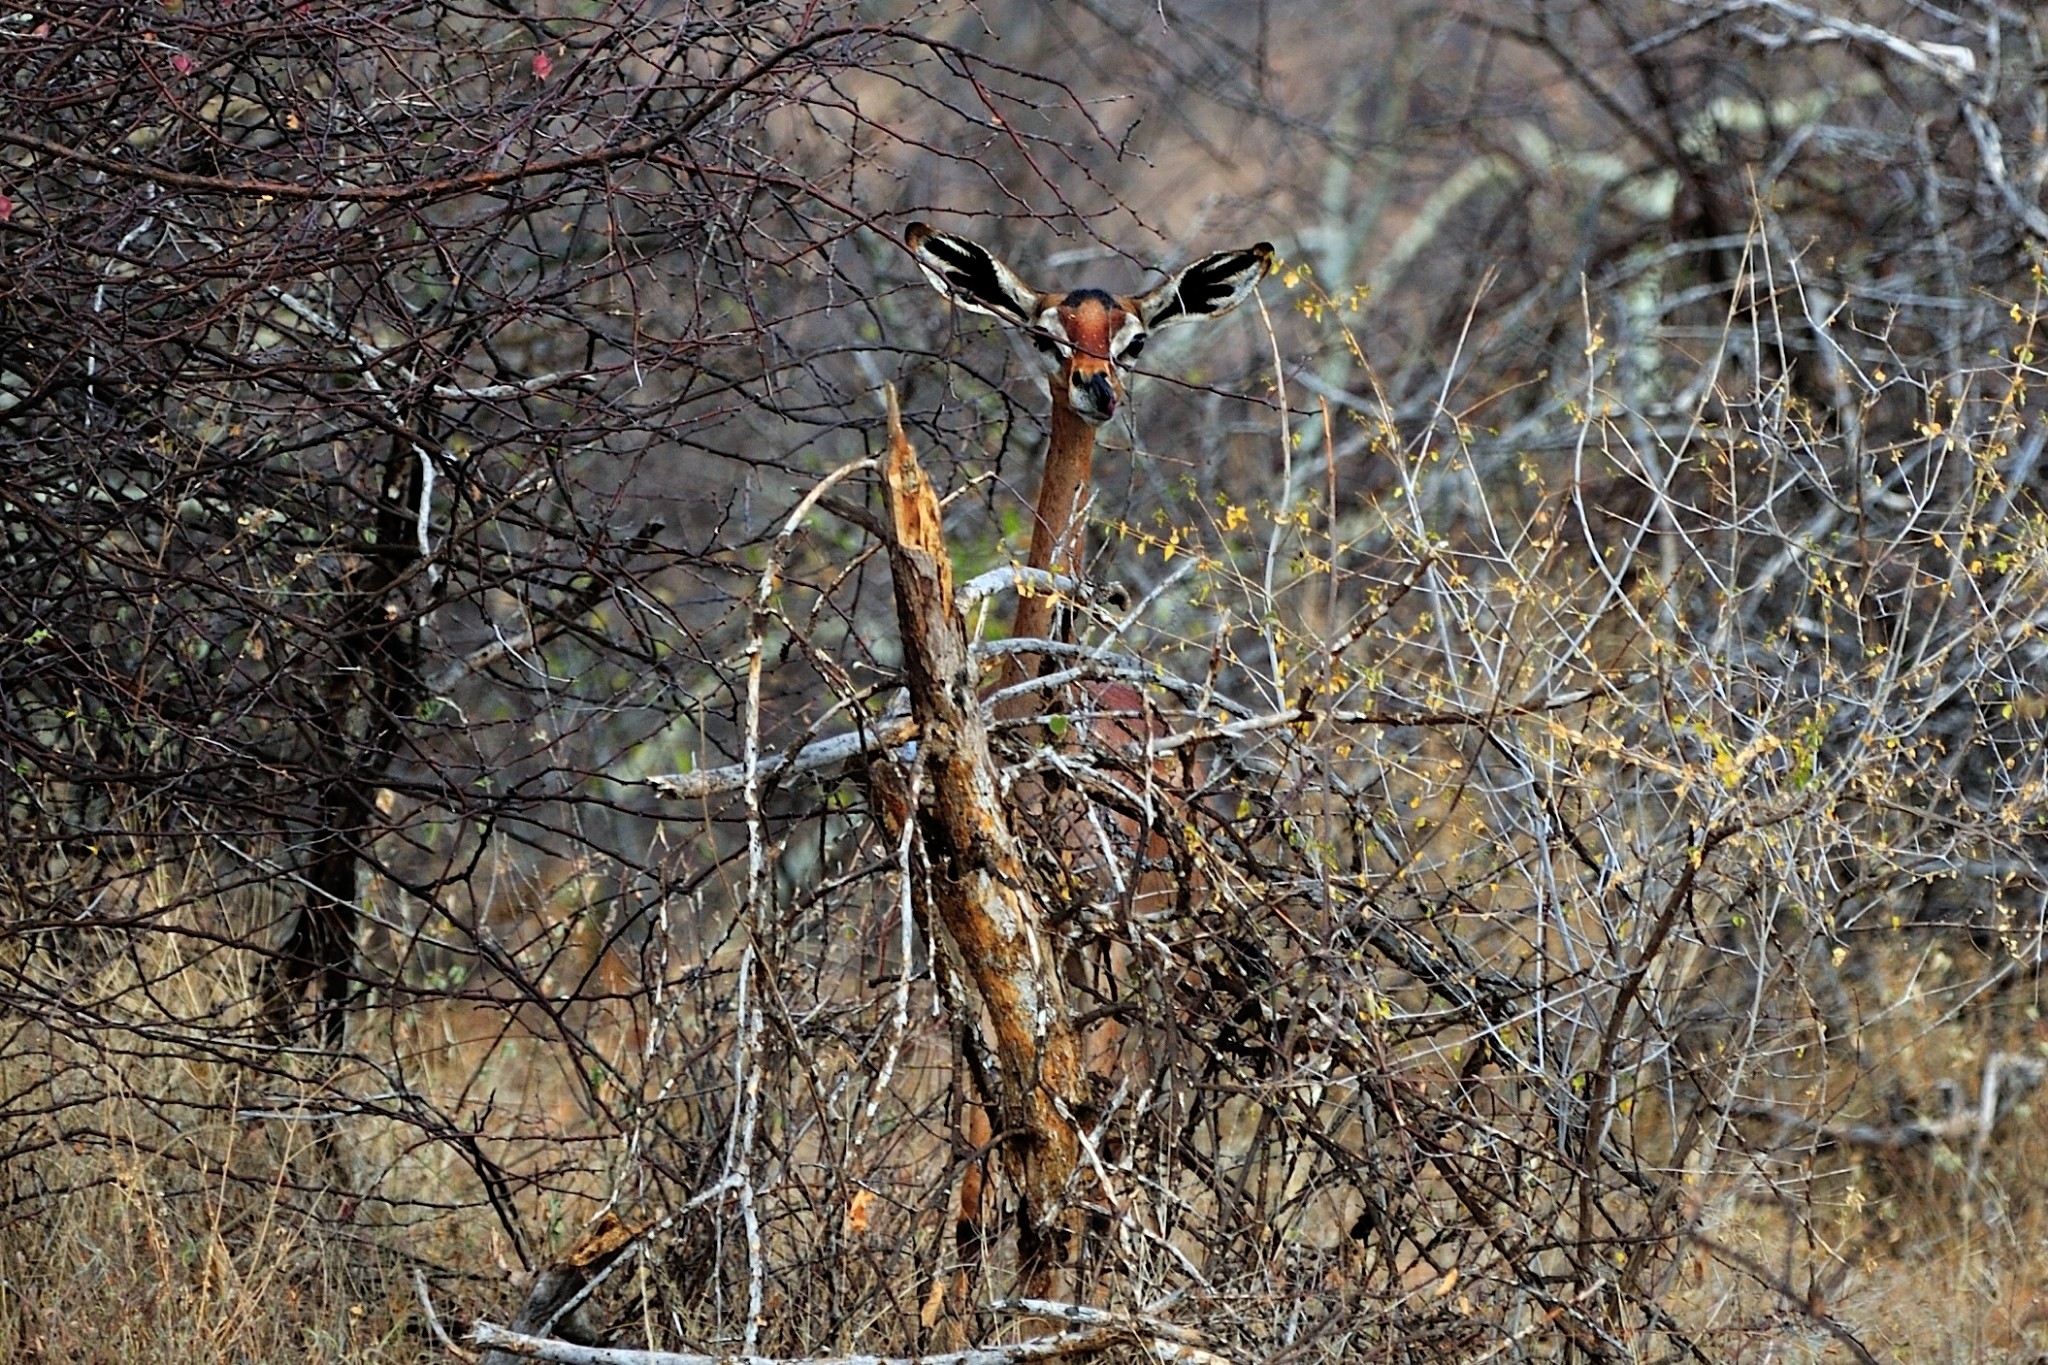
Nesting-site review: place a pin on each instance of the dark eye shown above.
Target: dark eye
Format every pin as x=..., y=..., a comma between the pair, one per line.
x=1045, y=344
x=1137, y=345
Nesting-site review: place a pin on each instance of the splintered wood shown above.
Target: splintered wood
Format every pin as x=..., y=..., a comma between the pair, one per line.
x=972, y=872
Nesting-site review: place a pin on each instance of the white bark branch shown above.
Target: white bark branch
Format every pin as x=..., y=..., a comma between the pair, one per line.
x=893, y=732
x=1086, y=1342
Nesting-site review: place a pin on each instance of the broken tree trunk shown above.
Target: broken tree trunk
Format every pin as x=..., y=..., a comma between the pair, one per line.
x=975, y=876
x=554, y=1307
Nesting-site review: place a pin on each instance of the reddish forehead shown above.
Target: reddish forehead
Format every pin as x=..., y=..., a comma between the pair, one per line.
x=1091, y=321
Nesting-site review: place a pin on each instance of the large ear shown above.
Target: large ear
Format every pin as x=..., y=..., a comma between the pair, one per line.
x=1210, y=287
x=971, y=277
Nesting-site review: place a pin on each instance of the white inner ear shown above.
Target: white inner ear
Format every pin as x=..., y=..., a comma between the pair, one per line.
x=1133, y=328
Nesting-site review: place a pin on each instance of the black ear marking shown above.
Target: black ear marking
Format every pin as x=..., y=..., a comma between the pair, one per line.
x=970, y=275
x=969, y=269
x=1209, y=288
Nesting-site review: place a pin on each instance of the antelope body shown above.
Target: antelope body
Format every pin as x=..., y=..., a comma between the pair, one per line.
x=1084, y=337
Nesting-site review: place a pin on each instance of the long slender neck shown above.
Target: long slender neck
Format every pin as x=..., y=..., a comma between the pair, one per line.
x=1057, y=536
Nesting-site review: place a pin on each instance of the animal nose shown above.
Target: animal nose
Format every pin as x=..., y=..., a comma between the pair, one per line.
x=1094, y=395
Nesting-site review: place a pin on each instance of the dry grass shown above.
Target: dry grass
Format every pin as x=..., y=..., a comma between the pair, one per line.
x=196, y=1210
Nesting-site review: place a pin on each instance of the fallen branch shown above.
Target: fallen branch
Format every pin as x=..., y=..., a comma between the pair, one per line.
x=497, y=1338
x=1090, y=1330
